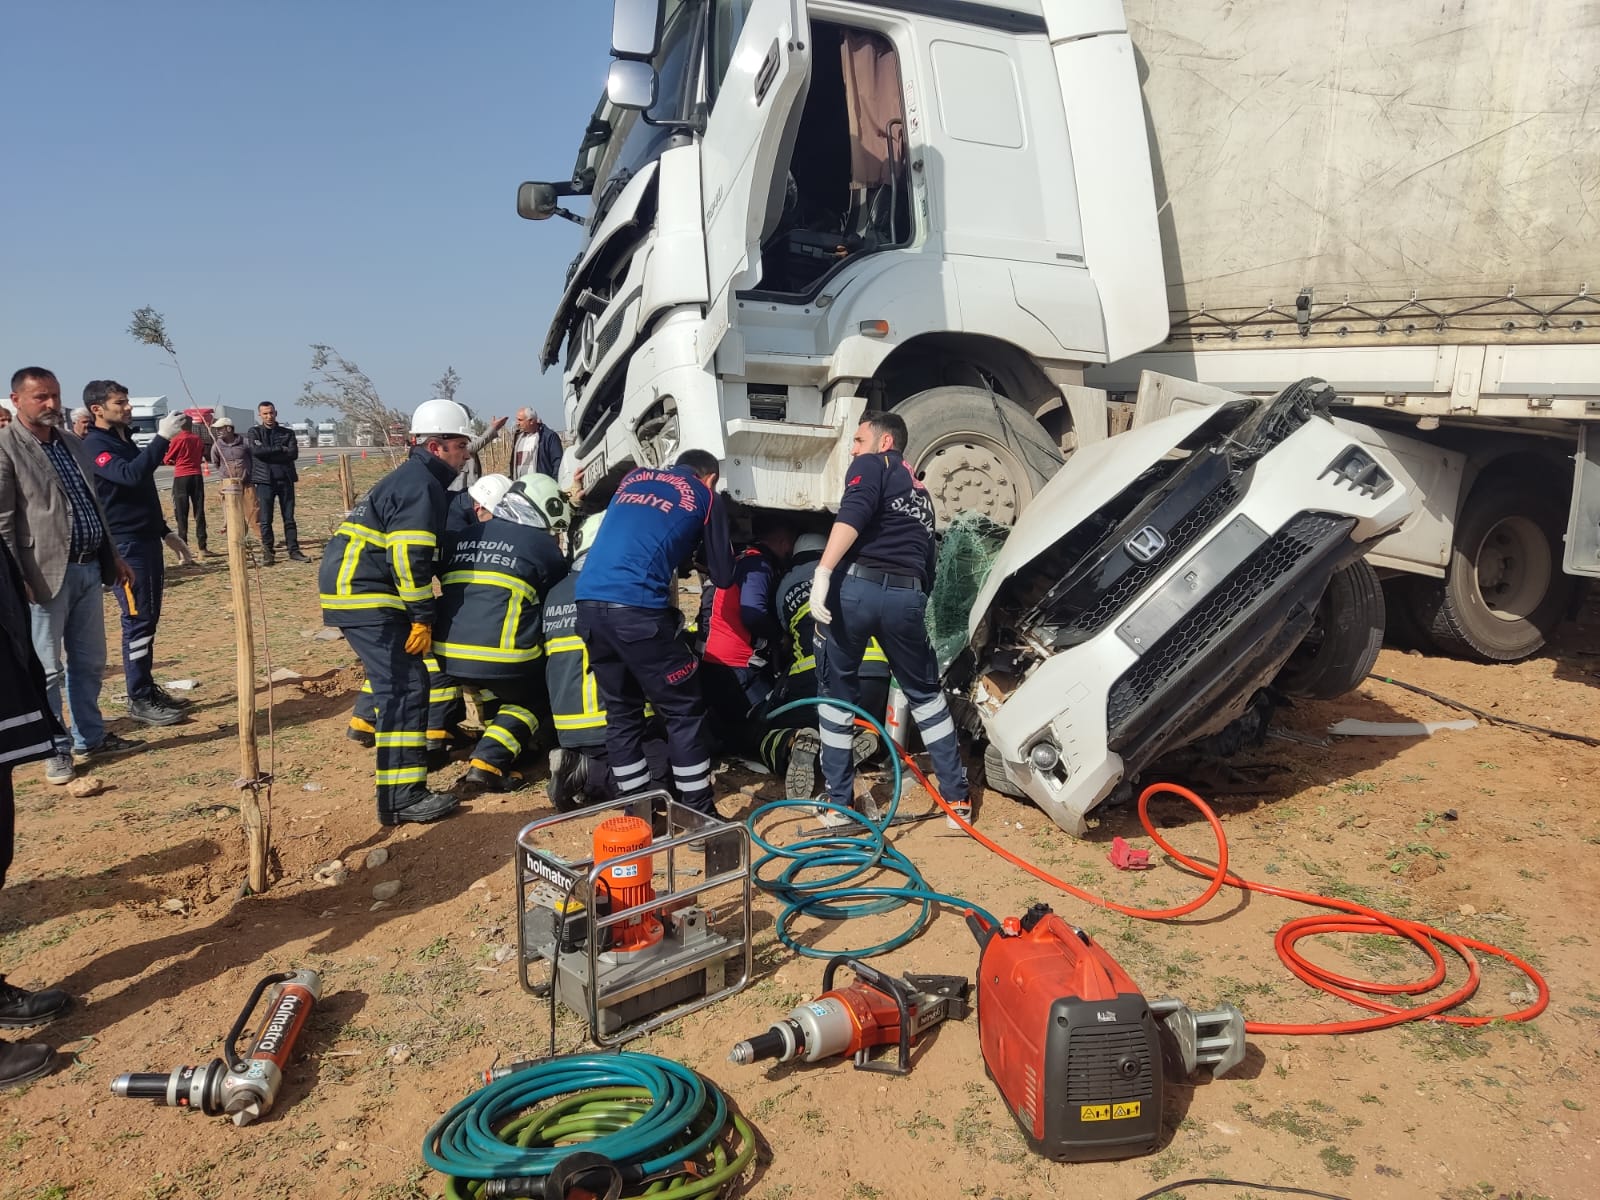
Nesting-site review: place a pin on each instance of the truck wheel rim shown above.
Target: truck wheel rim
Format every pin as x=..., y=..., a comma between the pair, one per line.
x=1513, y=568
x=971, y=473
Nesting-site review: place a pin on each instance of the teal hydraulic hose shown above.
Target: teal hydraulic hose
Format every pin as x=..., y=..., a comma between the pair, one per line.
x=465, y=1142
x=847, y=856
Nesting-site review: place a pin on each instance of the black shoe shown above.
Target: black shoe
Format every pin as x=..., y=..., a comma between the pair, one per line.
x=437, y=756
x=800, y=778
x=488, y=781
x=22, y=1061
x=153, y=712
x=361, y=737
x=296, y=556
x=431, y=808
x=267, y=558
x=162, y=696
x=20, y=1008
x=109, y=745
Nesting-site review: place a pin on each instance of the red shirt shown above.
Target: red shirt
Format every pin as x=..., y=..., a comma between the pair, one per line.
x=184, y=454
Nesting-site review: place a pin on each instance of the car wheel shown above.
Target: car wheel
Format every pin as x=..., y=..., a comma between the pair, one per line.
x=995, y=776
x=976, y=452
x=1505, y=591
x=1338, y=651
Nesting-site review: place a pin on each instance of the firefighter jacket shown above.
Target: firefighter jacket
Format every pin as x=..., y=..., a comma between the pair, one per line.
x=495, y=579
x=575, y=707
x=379, y=564
x=794, y=610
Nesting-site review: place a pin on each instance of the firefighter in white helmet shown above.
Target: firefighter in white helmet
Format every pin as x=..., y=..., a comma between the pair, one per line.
x=376, y=584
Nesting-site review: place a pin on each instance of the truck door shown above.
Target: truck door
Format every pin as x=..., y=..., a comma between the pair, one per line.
x=1583, y=518
x=764, y=65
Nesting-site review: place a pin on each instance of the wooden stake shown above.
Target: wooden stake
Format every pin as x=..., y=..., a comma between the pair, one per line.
x=346, y=483
x=244, y=643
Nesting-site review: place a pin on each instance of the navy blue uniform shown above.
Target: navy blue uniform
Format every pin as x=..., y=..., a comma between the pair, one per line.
x=627, y=619
x=490, y=629
x=880, y=590
x=125, y=480
x=376, y=581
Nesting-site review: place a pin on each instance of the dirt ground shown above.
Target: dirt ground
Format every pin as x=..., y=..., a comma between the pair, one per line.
x=130, y=899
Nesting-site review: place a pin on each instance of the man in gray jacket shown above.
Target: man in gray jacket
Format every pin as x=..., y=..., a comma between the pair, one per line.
x=60, y=536
x=230, y=455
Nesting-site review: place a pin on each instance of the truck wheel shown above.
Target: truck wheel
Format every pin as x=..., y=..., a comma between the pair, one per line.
x=1338, y=651
x=977, y=452
x=994, y=774
x=1505, y=591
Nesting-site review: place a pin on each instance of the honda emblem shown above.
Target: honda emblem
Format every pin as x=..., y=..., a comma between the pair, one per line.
x=1146, y=545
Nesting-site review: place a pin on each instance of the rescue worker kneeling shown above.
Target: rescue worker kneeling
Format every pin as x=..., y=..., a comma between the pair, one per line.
x=445, y=711
x=376, y=584
x=491, y=615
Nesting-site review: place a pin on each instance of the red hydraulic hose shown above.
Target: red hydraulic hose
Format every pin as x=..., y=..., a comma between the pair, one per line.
x=1347, y=917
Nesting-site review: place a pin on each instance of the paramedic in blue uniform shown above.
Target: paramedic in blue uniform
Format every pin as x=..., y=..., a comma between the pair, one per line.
x=627, y=618
x=376, y=585
x=125, y=480
x=872, y=581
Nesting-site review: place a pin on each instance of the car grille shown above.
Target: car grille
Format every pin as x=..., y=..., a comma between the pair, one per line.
x=1105, y=605
x=1212, y=617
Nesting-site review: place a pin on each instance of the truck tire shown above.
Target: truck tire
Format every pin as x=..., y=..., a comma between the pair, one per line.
x=1345, y=637
x=977, y=452
x=1505, y=591
x=1405, y=630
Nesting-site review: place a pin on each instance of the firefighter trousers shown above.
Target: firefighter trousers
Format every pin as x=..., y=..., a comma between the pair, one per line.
x=400, y=692
x=637, y=655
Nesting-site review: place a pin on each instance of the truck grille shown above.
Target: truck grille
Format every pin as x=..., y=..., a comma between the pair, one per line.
x=1227, y=604
x=1093, y=1057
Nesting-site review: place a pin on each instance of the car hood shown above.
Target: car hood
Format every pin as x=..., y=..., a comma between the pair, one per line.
x=1094, y=474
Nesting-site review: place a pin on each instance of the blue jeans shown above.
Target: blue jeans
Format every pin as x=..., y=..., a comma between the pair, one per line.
x=897, y=617
x=74, y=619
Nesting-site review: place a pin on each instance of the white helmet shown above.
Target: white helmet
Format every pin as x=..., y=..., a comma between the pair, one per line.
x=490, y=490
x=545, y=495
x=587, y=532
x=810, y=543
x=434, y=418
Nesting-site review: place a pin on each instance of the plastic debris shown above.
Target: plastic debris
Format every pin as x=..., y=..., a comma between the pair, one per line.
x=1352, y=727
x=1126, y=858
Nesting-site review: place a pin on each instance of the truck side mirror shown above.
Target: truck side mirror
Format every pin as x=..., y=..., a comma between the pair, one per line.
x=636, y=29
x=631, y=84
x=536, y=201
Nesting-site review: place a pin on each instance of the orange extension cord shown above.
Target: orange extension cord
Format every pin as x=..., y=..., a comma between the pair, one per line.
x=1347, y=917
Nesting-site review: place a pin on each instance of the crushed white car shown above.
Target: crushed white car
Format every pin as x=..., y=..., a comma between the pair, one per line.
x=1163, y=581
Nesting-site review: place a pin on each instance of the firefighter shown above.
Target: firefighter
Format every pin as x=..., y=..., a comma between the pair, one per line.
x=628, y=619
x=490, y=627
x=445, y=710
x=790, y=744
x=881, y=545
x=743, y=635
x=376, y=584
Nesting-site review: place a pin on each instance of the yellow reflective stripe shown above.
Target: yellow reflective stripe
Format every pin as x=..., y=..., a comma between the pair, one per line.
x=492, y=654
x=504, y=738
x=520, y=713
x=508, y=627
x=401, y=739
x=874, y=652
x=413, y=537
x=483, y=766
x=500, y=579
x=444, y=695
x=361, y=726
x=438, y=735
x=580, y=721
x=559, y=645
x=402, y=775
x=380, y=600
x=357, y=532
x=366, y=687
x=401, y=543
x=802, y=665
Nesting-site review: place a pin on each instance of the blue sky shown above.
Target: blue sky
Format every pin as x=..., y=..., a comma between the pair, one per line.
x=281, y=172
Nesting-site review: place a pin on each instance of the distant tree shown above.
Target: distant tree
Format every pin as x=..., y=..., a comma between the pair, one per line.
x=150, y=327
x=445, y=388
x=339, y=384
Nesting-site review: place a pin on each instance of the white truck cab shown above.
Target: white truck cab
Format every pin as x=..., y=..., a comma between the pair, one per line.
x=802, y=209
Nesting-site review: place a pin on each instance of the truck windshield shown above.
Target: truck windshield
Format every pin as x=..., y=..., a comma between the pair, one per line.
x=635, y=143
x=143, y=424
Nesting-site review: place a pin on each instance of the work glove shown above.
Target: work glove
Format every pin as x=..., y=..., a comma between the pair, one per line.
x=421, y=639
x=179, y=547
x=170, y=425
x=820, y=583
